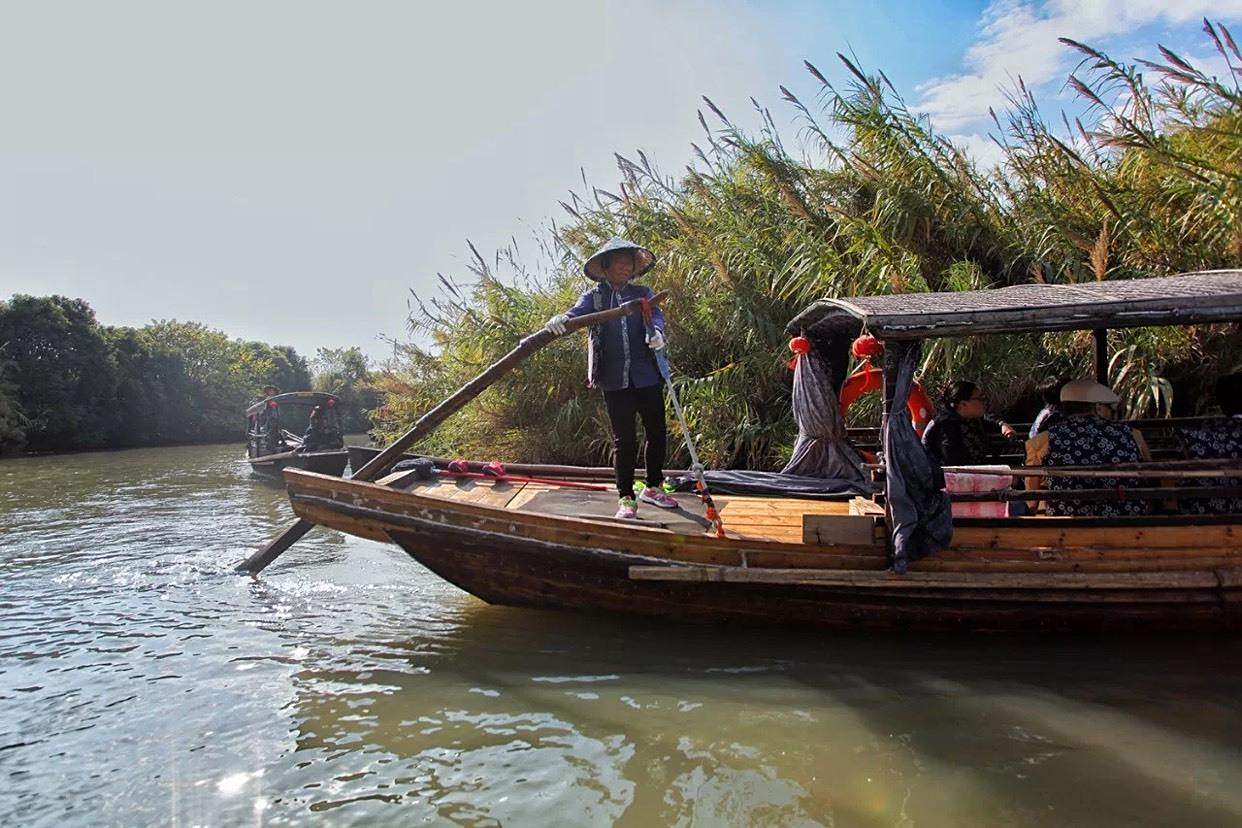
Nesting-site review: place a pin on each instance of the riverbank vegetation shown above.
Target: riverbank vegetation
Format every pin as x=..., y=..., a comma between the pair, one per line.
x=1148, y=181
x=346, y=372
x=68, y=382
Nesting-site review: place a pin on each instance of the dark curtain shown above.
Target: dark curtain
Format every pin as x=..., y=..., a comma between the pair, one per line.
x=921, y=520
x=822, y=449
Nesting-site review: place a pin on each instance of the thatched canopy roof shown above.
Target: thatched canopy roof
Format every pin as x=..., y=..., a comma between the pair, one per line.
x=1207, y=296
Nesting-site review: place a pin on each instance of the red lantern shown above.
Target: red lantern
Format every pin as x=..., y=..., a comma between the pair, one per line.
x=801, y=346
x=866, y=347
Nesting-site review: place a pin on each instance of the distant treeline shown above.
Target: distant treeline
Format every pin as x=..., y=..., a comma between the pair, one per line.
x=68, y=382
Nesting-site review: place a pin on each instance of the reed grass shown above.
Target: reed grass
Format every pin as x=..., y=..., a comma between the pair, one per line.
x=1148, y=182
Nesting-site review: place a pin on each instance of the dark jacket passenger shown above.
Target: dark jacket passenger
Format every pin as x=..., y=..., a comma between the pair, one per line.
x=955, y=440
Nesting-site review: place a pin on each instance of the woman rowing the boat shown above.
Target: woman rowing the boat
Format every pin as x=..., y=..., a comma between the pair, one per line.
x=621, y=363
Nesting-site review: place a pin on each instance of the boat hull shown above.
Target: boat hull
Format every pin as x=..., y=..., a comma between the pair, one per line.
x=522, y=559
x=272, y=466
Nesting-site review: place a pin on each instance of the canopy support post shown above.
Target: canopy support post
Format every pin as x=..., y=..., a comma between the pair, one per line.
x=888, y=369
x=1100, y=349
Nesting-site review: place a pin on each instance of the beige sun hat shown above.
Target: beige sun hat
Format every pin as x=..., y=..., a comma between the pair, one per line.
x=1088, y=391
x=644, y=259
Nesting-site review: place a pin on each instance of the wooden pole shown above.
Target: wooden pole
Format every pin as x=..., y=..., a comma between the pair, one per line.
x=1120, y=493
x=888, y=368
x=1100, y=347
x=428, y=423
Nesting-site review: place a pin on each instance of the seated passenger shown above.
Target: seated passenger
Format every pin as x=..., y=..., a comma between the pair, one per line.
x=1087, y=436
x=1050, y=391
x=1220, y=439
x=318, y=435
x=959, y=435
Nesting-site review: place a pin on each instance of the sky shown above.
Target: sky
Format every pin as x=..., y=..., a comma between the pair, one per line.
x=290, y=171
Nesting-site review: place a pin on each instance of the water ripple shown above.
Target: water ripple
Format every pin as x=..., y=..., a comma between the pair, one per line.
x=143, y=683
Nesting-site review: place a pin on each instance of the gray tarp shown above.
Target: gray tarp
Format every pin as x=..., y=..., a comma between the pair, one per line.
x=918, y=506
x=824, y=462
x=775, y=483
x=822, y=449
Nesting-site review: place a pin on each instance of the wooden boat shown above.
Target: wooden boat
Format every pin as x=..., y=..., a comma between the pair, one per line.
x=827, y=563
x=270, y=448
x=332, y=461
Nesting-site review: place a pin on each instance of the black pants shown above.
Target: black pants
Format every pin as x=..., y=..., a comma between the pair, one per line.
x=622, y=405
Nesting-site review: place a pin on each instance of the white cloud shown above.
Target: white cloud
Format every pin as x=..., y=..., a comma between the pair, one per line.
x=1019, y=38
x=981, y=148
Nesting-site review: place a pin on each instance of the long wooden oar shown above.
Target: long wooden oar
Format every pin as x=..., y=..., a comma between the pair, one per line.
x=428, y=423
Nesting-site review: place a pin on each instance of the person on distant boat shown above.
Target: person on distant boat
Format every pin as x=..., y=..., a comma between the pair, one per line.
x=268, y=392
x=1220, y=439
x=621, y=363
x=319, y=432
x=268, y=421
x=960, y=433
x=1050, y=391
x=1085, y=436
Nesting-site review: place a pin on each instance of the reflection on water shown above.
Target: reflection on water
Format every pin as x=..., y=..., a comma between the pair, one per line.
x=141, y=682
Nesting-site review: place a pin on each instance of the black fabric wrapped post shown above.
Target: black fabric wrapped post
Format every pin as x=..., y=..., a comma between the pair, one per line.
x=917, y=505
x=822, y=448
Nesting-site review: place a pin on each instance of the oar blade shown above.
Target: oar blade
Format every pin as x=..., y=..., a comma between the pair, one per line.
x=271, y=550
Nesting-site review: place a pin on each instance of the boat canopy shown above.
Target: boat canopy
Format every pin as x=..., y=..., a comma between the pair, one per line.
x=307, y=398
x=1190, y=298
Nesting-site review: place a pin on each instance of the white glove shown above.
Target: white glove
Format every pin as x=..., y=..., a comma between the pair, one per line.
x=655, y=339
x=557, y=324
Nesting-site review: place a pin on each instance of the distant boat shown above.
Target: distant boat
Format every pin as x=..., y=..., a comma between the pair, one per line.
x=270, y=449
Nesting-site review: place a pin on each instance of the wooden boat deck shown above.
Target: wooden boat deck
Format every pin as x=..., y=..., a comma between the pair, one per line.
x=771, y=519
x=532, y=544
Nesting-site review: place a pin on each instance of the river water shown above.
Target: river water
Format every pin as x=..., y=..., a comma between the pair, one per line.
x=141, y=682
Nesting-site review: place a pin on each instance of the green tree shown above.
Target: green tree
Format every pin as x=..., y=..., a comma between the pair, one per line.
x=63, y=370
x=154, y=399
x=346, y=372
x=278, y=365
x=68, y=383
x=13, y=422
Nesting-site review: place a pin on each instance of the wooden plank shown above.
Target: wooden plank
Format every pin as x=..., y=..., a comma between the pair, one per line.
x=1071, y=553
x=935, y=564
x=834, y=529
x=1099, y=495
x=493, y=494
x=866, y=506
x=931, y=580
x=1031, y=534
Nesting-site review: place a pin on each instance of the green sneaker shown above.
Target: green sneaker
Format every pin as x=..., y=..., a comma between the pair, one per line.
x=627, y=508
